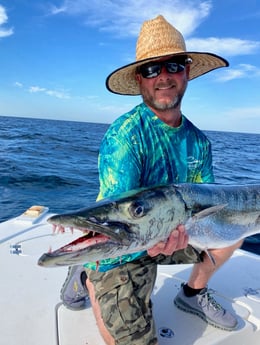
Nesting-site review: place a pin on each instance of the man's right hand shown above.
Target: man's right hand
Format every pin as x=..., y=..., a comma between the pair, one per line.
x=177, y=240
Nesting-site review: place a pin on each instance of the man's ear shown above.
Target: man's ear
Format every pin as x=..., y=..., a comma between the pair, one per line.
x=138, y=78
x=187, y=70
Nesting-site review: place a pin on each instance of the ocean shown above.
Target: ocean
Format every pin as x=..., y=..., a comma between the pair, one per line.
x=54, y=163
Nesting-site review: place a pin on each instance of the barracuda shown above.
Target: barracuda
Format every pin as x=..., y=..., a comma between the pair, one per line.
x=214, y=215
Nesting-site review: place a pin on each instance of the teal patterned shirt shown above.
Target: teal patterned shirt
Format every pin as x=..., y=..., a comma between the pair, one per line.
x=140, y=150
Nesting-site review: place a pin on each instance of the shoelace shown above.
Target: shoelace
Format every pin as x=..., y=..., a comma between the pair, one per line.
x=209, y=300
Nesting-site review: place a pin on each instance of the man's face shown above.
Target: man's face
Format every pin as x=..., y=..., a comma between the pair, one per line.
x=165, y=91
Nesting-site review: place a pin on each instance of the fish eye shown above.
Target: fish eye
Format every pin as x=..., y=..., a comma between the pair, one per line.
x=137, y=209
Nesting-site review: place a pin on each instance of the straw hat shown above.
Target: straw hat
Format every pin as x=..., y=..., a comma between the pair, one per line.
x=157, y=39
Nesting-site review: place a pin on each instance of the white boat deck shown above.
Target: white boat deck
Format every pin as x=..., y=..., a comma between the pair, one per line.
x=31, y=312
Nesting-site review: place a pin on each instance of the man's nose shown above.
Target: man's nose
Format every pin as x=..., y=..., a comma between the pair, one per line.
x=164, y=72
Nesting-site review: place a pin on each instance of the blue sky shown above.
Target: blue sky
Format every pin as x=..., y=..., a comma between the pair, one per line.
x=56, y=54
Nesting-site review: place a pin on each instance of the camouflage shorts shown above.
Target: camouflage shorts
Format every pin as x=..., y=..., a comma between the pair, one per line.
x=124, y=294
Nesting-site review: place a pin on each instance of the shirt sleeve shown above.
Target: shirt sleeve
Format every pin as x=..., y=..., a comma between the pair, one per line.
x=119, y=164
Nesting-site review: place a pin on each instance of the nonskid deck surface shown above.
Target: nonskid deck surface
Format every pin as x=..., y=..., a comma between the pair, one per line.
x=32, y=312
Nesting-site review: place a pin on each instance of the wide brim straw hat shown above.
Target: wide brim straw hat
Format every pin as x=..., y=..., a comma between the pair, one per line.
x=158, y=39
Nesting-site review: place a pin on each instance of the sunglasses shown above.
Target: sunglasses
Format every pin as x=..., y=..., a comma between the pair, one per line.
x=153, y=69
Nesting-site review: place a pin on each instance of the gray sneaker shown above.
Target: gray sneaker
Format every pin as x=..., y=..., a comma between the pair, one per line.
x=74, y=291
x=205, y=306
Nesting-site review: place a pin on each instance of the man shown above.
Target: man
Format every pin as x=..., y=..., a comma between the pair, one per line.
x=154, y=144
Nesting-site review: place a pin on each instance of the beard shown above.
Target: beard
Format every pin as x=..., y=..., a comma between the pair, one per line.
x=151, y=101
x=173, y=104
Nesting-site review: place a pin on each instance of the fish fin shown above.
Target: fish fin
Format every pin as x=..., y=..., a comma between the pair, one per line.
x=211, y=257
x=209, y=211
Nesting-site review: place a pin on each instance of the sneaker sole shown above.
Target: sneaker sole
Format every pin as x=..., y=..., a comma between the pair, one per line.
x=185, y=307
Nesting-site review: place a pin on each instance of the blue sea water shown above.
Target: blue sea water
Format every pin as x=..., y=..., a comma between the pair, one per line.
x=54, y=163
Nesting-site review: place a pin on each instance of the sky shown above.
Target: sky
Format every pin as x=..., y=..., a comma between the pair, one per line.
x=55, y=56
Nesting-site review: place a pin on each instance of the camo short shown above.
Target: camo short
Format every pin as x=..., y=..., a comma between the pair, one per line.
x=124, y=294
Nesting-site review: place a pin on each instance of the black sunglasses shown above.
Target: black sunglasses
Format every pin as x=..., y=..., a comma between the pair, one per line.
x=153, y=69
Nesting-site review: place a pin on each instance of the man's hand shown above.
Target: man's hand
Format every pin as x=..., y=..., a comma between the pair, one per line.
x=177, y=240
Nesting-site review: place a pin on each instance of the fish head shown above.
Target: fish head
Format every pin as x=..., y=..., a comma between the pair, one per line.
x=127, y=223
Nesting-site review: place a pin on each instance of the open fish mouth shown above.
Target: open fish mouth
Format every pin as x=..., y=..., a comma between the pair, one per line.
x=95, y=232
x=83, y=242
x=112, y=233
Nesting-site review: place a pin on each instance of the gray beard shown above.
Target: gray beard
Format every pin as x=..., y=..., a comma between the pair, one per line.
x=162, y=107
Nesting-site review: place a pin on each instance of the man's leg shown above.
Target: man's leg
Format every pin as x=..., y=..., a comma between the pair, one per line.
x=109, y=340
x=203, y=271
x=121, y=303
x=142, y=274
x=194, y=296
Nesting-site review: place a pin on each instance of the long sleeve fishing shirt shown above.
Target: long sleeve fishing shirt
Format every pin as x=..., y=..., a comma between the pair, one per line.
x=140, y=150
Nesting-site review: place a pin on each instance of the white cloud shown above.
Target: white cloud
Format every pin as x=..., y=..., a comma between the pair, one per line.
x=57, y=10
x=124, y=18
x=57, y=94
x=18, y=84
x=240, y=71
x=226, y=46
x=3, y=20
x=53, y=93
x=36, y=89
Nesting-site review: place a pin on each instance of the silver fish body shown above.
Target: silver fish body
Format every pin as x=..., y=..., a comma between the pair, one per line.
x=214, y=215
